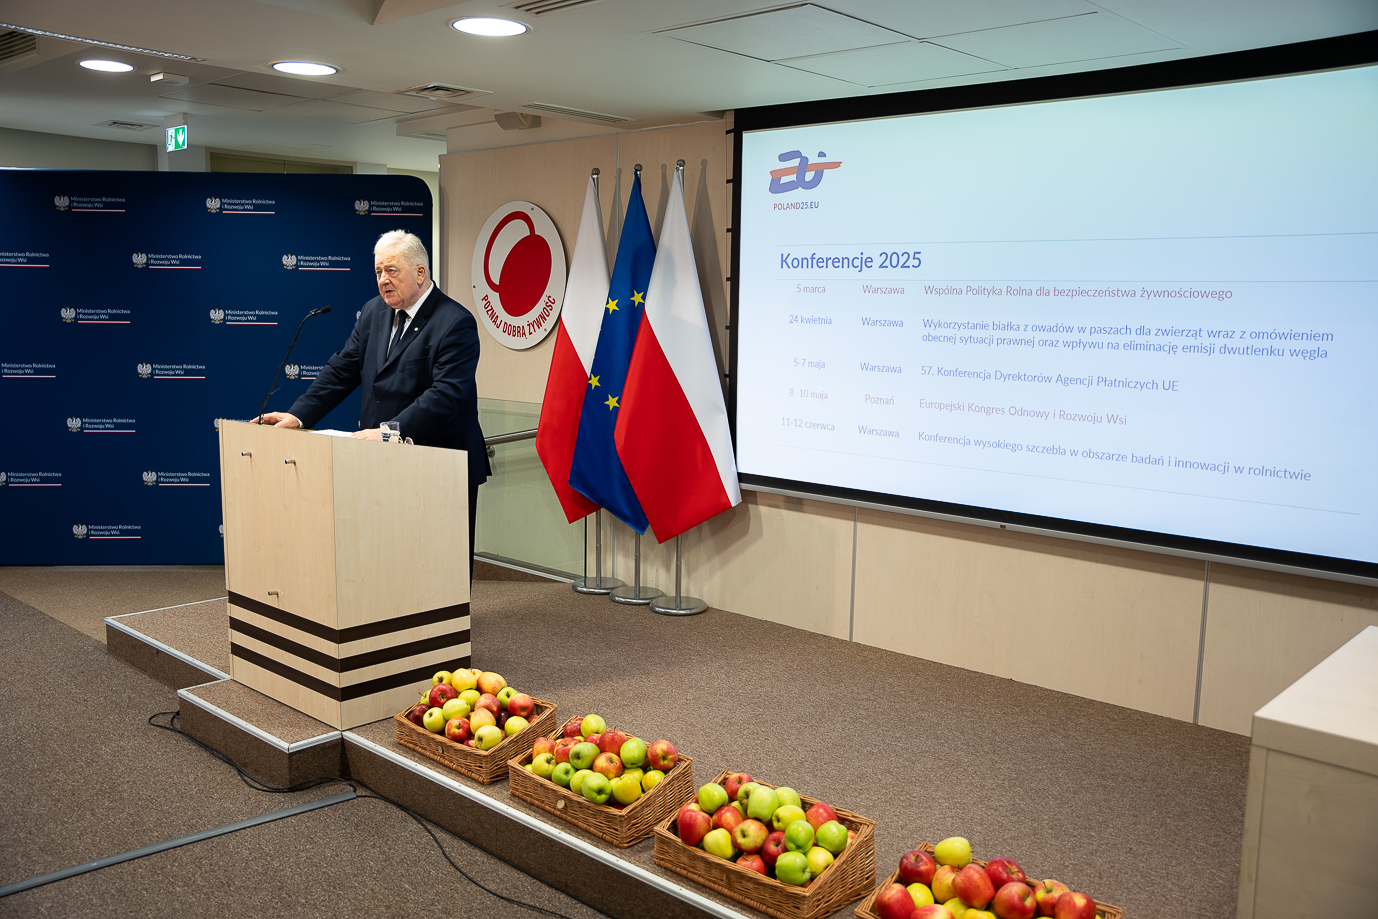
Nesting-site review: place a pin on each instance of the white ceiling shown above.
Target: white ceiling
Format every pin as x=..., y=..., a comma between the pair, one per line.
x=652, y=61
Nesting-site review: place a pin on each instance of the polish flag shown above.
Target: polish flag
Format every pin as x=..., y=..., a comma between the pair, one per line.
x=575, y=341
x=672, y=434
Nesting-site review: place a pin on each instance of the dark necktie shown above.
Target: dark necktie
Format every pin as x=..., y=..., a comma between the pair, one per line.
x=401, y=319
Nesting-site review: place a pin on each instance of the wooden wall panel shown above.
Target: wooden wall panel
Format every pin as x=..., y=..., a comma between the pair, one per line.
x=1264, y=630
x=1108, y=624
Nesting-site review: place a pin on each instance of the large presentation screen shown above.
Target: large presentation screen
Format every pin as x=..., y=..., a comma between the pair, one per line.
x=1151, y=315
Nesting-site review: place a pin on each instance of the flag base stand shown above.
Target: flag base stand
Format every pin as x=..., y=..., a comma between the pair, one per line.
x=598, y=584
x=678, y=605
x=637, y=595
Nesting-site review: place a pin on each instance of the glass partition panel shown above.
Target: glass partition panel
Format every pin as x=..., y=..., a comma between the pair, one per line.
x=519, y=518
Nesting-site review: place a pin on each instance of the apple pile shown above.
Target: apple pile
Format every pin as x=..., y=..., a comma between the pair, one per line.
x=948, y=884
x=475, y=708
x=763, y=829
x=602, y=764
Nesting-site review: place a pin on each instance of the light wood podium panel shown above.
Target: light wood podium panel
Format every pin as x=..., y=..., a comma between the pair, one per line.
x=346, y=564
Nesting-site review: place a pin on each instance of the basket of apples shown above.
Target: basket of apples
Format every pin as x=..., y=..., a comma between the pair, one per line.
x=612, y=784
x=473, y=722
x=773, y=849
x=944, y=881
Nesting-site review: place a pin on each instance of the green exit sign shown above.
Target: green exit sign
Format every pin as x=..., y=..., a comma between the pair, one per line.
x=177, y=138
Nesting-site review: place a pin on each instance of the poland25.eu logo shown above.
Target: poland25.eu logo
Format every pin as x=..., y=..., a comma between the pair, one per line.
x=802, y=174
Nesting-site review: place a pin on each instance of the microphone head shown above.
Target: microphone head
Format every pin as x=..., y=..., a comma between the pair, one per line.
x=323, y=310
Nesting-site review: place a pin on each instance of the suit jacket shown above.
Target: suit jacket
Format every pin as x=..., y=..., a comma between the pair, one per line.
x=426, y=385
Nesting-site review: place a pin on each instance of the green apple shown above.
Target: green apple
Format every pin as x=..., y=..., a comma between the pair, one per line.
x=921, y=894
x=954, y=851
x=592, y=724
x=762, y=803
x=471, y=696
x=956, y=907
x=462, y=680
x=633, y=752
x=818, y=859
x=793, y=868
x=576, y=781
x=799, y=836
x=744, y=792
x=596, y=787
x=833, y=837
x=433, y=720
x=504, y=694
x=634, y=772
x=516, y=723
x=788, y=795
x=562, y=774
x=544, y=765
x=488, y=736
x=627, y=789
x=711, y=796
x=455, y=708
x=651, y=779
x=719, y=842
x=441, y=677
x=786, y=814
x=582, y=755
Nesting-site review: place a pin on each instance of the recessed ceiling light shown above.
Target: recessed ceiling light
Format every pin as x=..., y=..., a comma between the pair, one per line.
x=490, y=27
x=305, y=68
x=107, y=66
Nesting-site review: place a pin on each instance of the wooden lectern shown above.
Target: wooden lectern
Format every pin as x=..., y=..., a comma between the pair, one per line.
x=347, y=567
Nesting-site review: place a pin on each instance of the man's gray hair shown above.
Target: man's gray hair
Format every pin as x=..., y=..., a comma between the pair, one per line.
x=407, y=245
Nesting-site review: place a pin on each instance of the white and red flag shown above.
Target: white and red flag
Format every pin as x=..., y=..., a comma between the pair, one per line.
x=672, y=433
x=575, y=342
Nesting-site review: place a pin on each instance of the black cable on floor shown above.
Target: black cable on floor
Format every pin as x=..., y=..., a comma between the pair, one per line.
x=257, y=785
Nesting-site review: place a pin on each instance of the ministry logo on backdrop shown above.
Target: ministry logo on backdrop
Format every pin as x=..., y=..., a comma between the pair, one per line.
x=62, y=202
x=803, y=174
x=217, y=316
x=145, y=371
x=79, y=530
x=69, y=314
x=213, y=205
x=519, y=274
x=289, y=261
x=150, y=478
x=361, y=206
x=292, y=370
x=2, y=478
x=74, y=424
x=140, y=259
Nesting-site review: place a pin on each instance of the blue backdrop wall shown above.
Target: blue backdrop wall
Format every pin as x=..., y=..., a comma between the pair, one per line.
x=140, y=308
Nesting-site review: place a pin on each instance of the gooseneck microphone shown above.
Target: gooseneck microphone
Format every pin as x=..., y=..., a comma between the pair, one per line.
x=272, y=387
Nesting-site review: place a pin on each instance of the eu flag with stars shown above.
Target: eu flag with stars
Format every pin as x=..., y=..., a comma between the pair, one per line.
x=596, y=471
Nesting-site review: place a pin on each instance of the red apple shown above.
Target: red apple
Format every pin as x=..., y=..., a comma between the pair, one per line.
x=1014, y=900
x=662, y=755
x=1073, y=905
x=608, y=764
x=820, y=814
x=894, y=902
x=442, y=693
x=457, y=729
x=734, y=783
x=752, y=863
x=562, y=748
x=611, y=741
x=1003, y=870
x=542, y=745
x=1046, y=893
x=571, y=728
x=750, y=835
x=917, y=867
x=417, y=712
x=521, y=704
x=774, y=847
x=488, y=701
x=727, y=818
x=692, y=825
x=593, y=739
x=942, y=883
x=973, y=885
x=933, y=911
x=502, y=719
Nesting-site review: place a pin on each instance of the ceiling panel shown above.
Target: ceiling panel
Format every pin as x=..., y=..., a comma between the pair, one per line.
x=946, y=17
x=392, y=102
x=907, y=62
x=794, y=31
x=1060, y=41
x=289, y=86
x=328, y=110
x=233, y=97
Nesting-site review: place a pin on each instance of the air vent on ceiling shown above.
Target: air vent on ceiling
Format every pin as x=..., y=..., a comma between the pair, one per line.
x=441, y=92
x=577, y=113
x=127, y=125
x=14, y=45
x=541, y=7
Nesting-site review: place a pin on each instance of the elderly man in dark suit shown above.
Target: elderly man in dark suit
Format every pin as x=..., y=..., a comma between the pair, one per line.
x=413, y=351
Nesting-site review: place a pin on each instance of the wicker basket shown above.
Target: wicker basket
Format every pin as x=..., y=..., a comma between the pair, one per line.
x=483, y=766
x=849, y=877
x=620, y=826
x=866, y=909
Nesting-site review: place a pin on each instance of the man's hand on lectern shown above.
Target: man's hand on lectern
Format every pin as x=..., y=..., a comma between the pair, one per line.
x=368, y=434
x=278, y=420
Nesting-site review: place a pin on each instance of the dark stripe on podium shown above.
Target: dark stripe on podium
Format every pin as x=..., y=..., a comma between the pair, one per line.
x=355, y=662
x=355, y=632
x=335, y=693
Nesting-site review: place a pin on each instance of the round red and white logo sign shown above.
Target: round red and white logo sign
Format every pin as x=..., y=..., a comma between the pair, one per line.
x=519, y=274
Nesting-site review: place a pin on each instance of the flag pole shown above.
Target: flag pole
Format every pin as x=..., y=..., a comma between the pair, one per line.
x=597, y=584
x=679, y=605
x=638, y=595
